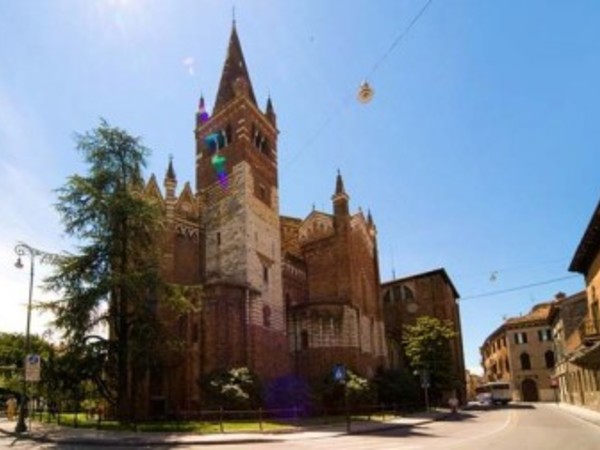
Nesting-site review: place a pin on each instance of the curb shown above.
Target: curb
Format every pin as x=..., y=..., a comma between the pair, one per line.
x=129, y=442
x=141, y=441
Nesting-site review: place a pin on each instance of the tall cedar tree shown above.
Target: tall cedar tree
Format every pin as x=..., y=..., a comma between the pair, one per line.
x=427, y=347
x=113, y=279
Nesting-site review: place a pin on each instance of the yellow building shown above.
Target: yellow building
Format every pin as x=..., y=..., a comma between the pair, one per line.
x=580, y=378
x=521, y=352
x=472, y=382
x=571, y=379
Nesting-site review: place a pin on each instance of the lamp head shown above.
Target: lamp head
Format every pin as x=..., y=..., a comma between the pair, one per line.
x=19, y=263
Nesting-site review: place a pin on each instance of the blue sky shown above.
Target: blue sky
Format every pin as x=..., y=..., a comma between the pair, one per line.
x=478, y=152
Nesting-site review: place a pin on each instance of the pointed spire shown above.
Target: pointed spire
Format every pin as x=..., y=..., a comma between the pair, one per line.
x=340, y=198
x=270, y=111
x=201, y=115
x=235, y=79
x=170, y=171
x=170, y=182
x=369, y=218
x=339, y=184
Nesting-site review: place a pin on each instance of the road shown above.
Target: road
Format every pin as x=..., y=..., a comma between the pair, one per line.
x=520, y=427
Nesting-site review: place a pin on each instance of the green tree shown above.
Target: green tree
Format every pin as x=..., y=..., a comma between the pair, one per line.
x=237, y=388
x=113, y=279
x=427, y=348
x=359, y=391
x=398, y=387
x=73, y=373
x=12, y=357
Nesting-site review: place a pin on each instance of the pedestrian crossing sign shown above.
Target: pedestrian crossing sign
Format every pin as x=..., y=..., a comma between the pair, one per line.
x=339, y=373
x=33, y=366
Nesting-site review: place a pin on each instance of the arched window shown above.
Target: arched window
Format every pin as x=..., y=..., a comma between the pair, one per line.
x=387, y=297
x=304, y=339
x=549, y=357
x=267, y=316
x=525, y=361
x=364, y=287
x=228, y=135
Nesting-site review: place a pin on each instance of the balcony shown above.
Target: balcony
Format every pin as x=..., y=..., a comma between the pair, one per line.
x=589, y=330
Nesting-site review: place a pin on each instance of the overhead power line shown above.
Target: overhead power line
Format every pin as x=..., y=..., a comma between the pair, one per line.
x=336, y=111
x=399, y=38
x=518, y=288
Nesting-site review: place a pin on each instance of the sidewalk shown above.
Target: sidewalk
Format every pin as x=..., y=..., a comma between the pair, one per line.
x=51, y=433
x=583, y=413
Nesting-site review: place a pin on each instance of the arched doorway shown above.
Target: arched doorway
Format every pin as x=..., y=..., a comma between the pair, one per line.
x=529, y=391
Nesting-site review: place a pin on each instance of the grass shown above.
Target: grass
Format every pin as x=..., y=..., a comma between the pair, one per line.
x=189, y=426
x=209, y=427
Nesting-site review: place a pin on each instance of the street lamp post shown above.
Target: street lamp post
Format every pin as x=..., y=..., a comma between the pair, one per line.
x=22, y=249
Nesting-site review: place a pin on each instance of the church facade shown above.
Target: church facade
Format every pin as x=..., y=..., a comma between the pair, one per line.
x=279, y=295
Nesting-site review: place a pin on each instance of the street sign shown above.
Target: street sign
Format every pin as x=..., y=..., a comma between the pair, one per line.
x=33, y=366
x=339, y=373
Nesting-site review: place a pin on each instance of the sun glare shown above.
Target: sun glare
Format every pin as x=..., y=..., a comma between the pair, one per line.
x=121, y=19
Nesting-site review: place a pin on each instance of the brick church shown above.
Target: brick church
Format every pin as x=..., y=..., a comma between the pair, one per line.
x=279, y=295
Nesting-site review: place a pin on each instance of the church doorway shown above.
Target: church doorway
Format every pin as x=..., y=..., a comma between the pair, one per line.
x=529, y=391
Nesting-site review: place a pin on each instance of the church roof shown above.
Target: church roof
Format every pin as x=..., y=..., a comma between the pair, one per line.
x=441, y=272
x=234, y=68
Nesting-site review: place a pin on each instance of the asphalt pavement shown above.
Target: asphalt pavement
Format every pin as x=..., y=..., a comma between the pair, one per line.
x=51, y=433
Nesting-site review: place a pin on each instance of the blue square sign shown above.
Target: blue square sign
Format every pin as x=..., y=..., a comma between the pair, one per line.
x=339, y=373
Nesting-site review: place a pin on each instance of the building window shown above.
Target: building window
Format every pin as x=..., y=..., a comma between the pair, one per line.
x=218, y=238
x=595, y=314
x=266, y=316
x=262, y=191
x=228, y=135
x=525, y=362
x=266, y=148
x=545, y=335
x=387, y=297
x=549, y=357
x=521, y=338
x=265, y=274
x=304, y=339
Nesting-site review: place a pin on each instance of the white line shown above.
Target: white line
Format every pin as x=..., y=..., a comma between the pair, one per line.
x=512, y=417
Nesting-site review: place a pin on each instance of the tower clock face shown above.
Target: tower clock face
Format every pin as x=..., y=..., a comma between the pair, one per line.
x=412, y=307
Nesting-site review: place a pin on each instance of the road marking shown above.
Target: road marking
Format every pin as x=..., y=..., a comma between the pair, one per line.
x=511, y=420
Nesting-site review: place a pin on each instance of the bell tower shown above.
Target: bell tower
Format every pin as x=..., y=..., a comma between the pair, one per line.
x=236, y=178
